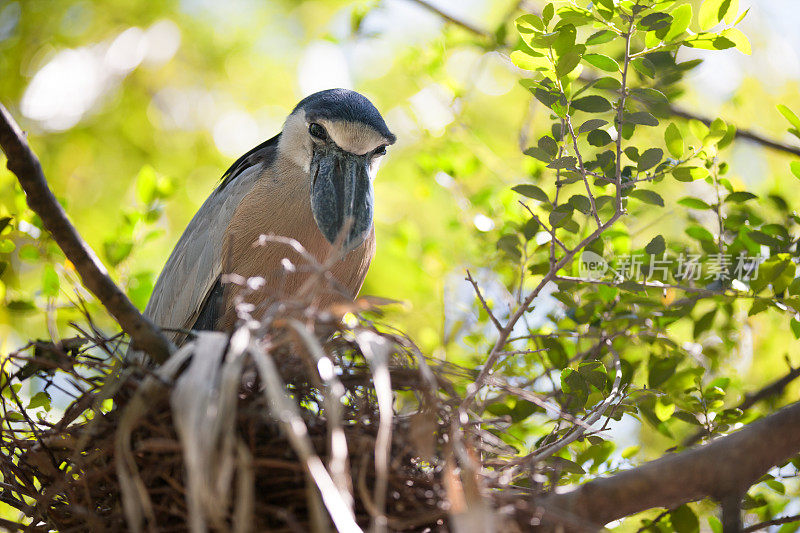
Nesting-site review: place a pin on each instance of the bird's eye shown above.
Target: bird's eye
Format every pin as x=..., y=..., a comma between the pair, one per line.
x=317, y=131
x=381, y=150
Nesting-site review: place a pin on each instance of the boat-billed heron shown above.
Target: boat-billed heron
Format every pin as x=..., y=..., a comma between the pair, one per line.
x=311, y=183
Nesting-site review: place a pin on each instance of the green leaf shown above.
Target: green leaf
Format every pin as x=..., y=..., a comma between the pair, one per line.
x=681, y=18
x=117, y=251
x=591, y=104
x=647, y=196
x=795, y=325
x=693, y=203
x=40, y=399
x=738, y=38
x=50, y=283
x=560, y=215
x=660, y=370
x=528, y=61
x=642, y=118
x=599, y=138
x=538, y=153
x=548, y=12
x=655, y=21
x=555, y=353
x=563, y=162
x=704, y=323
x=608, y=83
x=709, y=41
x=650, y=158
x=789, y=115
x=657, y=246
x=630, y=451
x=580, y=203
x=529, y=23
x=644, y=67
x=674, y=139
x=602, y=62
x=146, y=185
x=684, y=520
x=795, y=167
x=712, y=12
x=601, y=37
x=567, y=62
x=663, y=409
x=592, y=124
x=699, y=233
x=740, y=196
x=548, y=144
x=690, y=173
x=531, y=191
x=565, y=465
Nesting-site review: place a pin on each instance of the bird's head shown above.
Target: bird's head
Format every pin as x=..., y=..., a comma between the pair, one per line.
x=339, y=138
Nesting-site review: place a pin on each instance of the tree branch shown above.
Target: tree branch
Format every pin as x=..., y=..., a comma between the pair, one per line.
x=726, y=466
x=449, y=18
x=740, y=133
x=773, y=522
x=24, y=164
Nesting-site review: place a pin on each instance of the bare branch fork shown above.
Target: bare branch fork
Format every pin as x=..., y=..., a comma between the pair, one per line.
x=25, y=165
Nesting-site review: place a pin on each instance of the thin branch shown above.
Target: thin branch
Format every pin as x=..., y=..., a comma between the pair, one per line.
x=583, y=171
x=25, y=165
x=690, y=475
x=620, y=115
x=449, y=18
x=773, y=522
x=741, y=133
x=486, y=308
x=549, y=230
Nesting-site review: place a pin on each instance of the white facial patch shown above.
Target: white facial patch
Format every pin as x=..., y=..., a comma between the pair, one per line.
x=353, y=137
x=295, y=141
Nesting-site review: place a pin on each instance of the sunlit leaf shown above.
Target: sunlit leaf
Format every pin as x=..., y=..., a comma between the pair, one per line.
x=674, y=140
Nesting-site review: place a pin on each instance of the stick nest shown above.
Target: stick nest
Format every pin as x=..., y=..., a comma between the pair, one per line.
x=283, y=426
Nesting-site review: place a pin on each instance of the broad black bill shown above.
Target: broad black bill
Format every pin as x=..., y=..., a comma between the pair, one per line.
x=341, y=195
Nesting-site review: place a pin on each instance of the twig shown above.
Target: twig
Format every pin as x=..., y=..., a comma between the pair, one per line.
x=549, y=230
x=25, y=165
x=773, y=522
x=494, y=320
x=620, y=114
x=449, y=18
x=583, y=171
x=741, y=133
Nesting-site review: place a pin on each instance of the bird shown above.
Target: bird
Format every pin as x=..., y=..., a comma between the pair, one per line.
x=311, y=184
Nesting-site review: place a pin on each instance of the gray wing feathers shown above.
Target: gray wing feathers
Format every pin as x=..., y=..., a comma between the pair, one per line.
x=196, y=262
